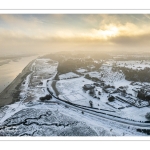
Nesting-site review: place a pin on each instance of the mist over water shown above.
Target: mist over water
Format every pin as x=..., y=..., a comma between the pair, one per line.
x=8, y=72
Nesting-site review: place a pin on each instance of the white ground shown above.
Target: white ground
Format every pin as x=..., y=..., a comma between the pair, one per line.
x=131, y=64
x=68, y=75
x=71, y=90
x=81, y=70
x=101, y=126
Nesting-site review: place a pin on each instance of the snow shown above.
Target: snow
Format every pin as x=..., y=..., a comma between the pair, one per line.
x=103, y=127
x=70, y=87
x=68, y=75
x=81, y=70
x=117, y=104
x=133, y=64
x=95, y=74
x=71, y=90
x=74, y=97
x=136, y=113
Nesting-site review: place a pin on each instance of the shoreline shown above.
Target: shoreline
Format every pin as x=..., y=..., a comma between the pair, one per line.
x=11, y=93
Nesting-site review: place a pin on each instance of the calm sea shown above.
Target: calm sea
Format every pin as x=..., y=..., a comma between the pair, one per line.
x=8, y=72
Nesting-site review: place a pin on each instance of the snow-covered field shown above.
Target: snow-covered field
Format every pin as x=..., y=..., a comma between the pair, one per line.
x=131, y=64
x=68, y=75
x=71, y=90
x=32, y=117
x=81, y=70
x=42, y=119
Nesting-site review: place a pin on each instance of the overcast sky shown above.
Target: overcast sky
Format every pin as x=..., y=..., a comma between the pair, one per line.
x=46, y=33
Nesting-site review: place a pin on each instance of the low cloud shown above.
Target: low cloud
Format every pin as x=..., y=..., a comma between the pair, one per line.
x=56, y=32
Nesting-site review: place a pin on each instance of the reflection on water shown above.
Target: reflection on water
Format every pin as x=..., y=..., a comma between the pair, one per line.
x=8, y=72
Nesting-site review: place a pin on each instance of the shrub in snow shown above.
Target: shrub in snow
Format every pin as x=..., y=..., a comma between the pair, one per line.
x=99, y=93
x=47, y=97
x=91, y=103
x=42, y=98
x=91, y=92
x=111, y=98
x=147, y=115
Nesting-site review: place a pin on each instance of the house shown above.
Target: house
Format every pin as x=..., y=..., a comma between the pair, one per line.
x=88, y=87
x=122, y=91
x=135, y=92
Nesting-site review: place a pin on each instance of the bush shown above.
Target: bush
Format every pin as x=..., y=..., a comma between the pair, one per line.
x=91, y=92
x=42, y=98
x=111, y=98
x=147, y=115
x=91, y=103
x=47, y=97
x=99, y=93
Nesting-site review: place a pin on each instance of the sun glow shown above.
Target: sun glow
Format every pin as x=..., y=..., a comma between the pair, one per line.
x=107, y=32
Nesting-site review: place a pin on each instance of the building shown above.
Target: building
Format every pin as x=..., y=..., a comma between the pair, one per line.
x=88, y=87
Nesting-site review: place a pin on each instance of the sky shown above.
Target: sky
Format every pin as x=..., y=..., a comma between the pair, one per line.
x=40, y=33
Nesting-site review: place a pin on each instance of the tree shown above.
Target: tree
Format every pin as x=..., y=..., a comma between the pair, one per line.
x=87, y=76
x=47, y=97
x=42, y=98
x=91, y=103
x=111, y=98
x=141, y=94
x=147, y=115
x=91, y=92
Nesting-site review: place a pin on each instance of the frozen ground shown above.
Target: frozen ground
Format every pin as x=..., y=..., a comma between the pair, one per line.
x=68, y=76
x=32, y=117
x=72, y=91
x=81, y=70
x=131, y=64
x=43, y=119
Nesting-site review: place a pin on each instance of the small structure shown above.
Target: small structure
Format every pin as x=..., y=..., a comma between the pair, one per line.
x=106, y=65
x=88, y=87
x=109, y=90
x=135, y=92
x=122, y=91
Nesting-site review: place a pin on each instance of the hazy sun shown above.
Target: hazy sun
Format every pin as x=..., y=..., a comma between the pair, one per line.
x=107, y=32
